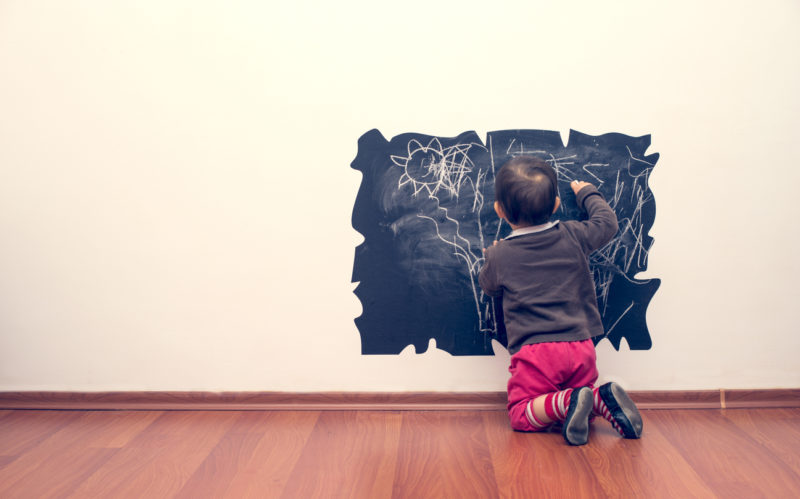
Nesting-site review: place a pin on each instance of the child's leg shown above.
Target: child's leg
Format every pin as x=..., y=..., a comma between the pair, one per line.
x=612, y=403
x=583, y=366
x=529, y=380
x=535, y=396
x=571, y=406
x=547, y=409
x=610, y=400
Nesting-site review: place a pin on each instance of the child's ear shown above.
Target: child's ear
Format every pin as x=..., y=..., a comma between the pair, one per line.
x=499, y=210
x=557, y=204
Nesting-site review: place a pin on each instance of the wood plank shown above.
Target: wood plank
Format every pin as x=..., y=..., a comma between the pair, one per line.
x=5, y=457
x=349, y=454
x=730, y=462
x=59, y=463
x=269, y=468
x=646, y=467
x=56, y=475
x=5, y=460
x=116, y=429
x=21, y=431
x=255, y=457
x=444, y=455
x=535, y=464
x=776, y=429
x=161, y=459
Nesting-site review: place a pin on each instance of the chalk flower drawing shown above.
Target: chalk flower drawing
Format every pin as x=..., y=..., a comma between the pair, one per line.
x=439, y=170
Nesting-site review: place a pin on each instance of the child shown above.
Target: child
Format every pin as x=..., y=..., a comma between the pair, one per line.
x=549, y=303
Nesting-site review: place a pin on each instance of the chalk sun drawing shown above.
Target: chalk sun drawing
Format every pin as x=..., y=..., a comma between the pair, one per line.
x=445, y=171
x=425, y=210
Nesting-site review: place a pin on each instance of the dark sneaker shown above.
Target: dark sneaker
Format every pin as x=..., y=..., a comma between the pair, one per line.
x=576, y=424
x=622, y=409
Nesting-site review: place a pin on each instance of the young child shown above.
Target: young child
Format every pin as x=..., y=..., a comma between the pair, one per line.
x=549, y=303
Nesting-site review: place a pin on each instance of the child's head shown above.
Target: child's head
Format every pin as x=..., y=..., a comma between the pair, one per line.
x=526, y=191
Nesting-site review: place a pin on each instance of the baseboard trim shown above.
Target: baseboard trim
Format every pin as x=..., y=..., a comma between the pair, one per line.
x=355, y=401
x=255, y=401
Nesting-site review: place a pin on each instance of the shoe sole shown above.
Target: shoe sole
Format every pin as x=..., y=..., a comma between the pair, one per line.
x=576, y=424
x=622, y=409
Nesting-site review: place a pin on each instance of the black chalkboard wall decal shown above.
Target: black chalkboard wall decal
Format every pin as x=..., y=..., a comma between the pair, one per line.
x=425, y=210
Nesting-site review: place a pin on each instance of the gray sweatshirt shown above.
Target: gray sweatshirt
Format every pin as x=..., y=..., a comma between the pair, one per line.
x=544, y=277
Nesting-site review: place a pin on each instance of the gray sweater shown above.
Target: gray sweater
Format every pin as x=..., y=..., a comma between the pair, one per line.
x=544, y=277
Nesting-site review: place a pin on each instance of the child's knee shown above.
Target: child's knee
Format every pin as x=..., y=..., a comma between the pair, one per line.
x=518, y=425
x=519, y=420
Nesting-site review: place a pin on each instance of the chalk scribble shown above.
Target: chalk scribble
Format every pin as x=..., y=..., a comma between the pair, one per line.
x=425, y=209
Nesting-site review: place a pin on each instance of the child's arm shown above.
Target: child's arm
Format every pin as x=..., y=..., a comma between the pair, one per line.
x=601, y=227
x=487, y=278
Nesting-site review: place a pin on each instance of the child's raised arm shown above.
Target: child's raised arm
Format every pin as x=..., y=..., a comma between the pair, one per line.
x=602, y=225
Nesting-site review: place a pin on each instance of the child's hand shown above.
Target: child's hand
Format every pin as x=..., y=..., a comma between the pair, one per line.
x=578, y=185
x=493, y=244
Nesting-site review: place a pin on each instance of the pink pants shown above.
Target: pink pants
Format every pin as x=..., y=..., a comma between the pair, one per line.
x=545, y=368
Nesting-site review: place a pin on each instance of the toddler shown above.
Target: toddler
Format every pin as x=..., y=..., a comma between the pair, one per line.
x=542, y=273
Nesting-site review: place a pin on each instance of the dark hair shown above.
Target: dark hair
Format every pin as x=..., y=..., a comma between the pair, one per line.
x=526, y=188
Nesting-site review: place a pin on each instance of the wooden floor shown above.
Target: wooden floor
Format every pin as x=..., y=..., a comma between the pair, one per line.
x=683, y=453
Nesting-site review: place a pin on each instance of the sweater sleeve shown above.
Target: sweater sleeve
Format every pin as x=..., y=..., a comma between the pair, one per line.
x=487, y=278
x=602, y=226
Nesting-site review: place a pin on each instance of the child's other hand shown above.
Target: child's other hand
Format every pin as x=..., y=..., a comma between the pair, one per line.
x=577, y=185
x=493, y=244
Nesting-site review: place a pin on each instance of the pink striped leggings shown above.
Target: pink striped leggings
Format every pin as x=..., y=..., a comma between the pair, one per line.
x=545, y=368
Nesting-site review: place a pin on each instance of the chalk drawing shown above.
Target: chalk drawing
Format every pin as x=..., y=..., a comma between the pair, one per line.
x=425, y=210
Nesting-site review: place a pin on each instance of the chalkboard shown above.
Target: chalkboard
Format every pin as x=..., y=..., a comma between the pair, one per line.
x=425, y=209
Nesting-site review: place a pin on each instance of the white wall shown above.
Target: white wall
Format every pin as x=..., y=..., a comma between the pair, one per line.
x=175, y=189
